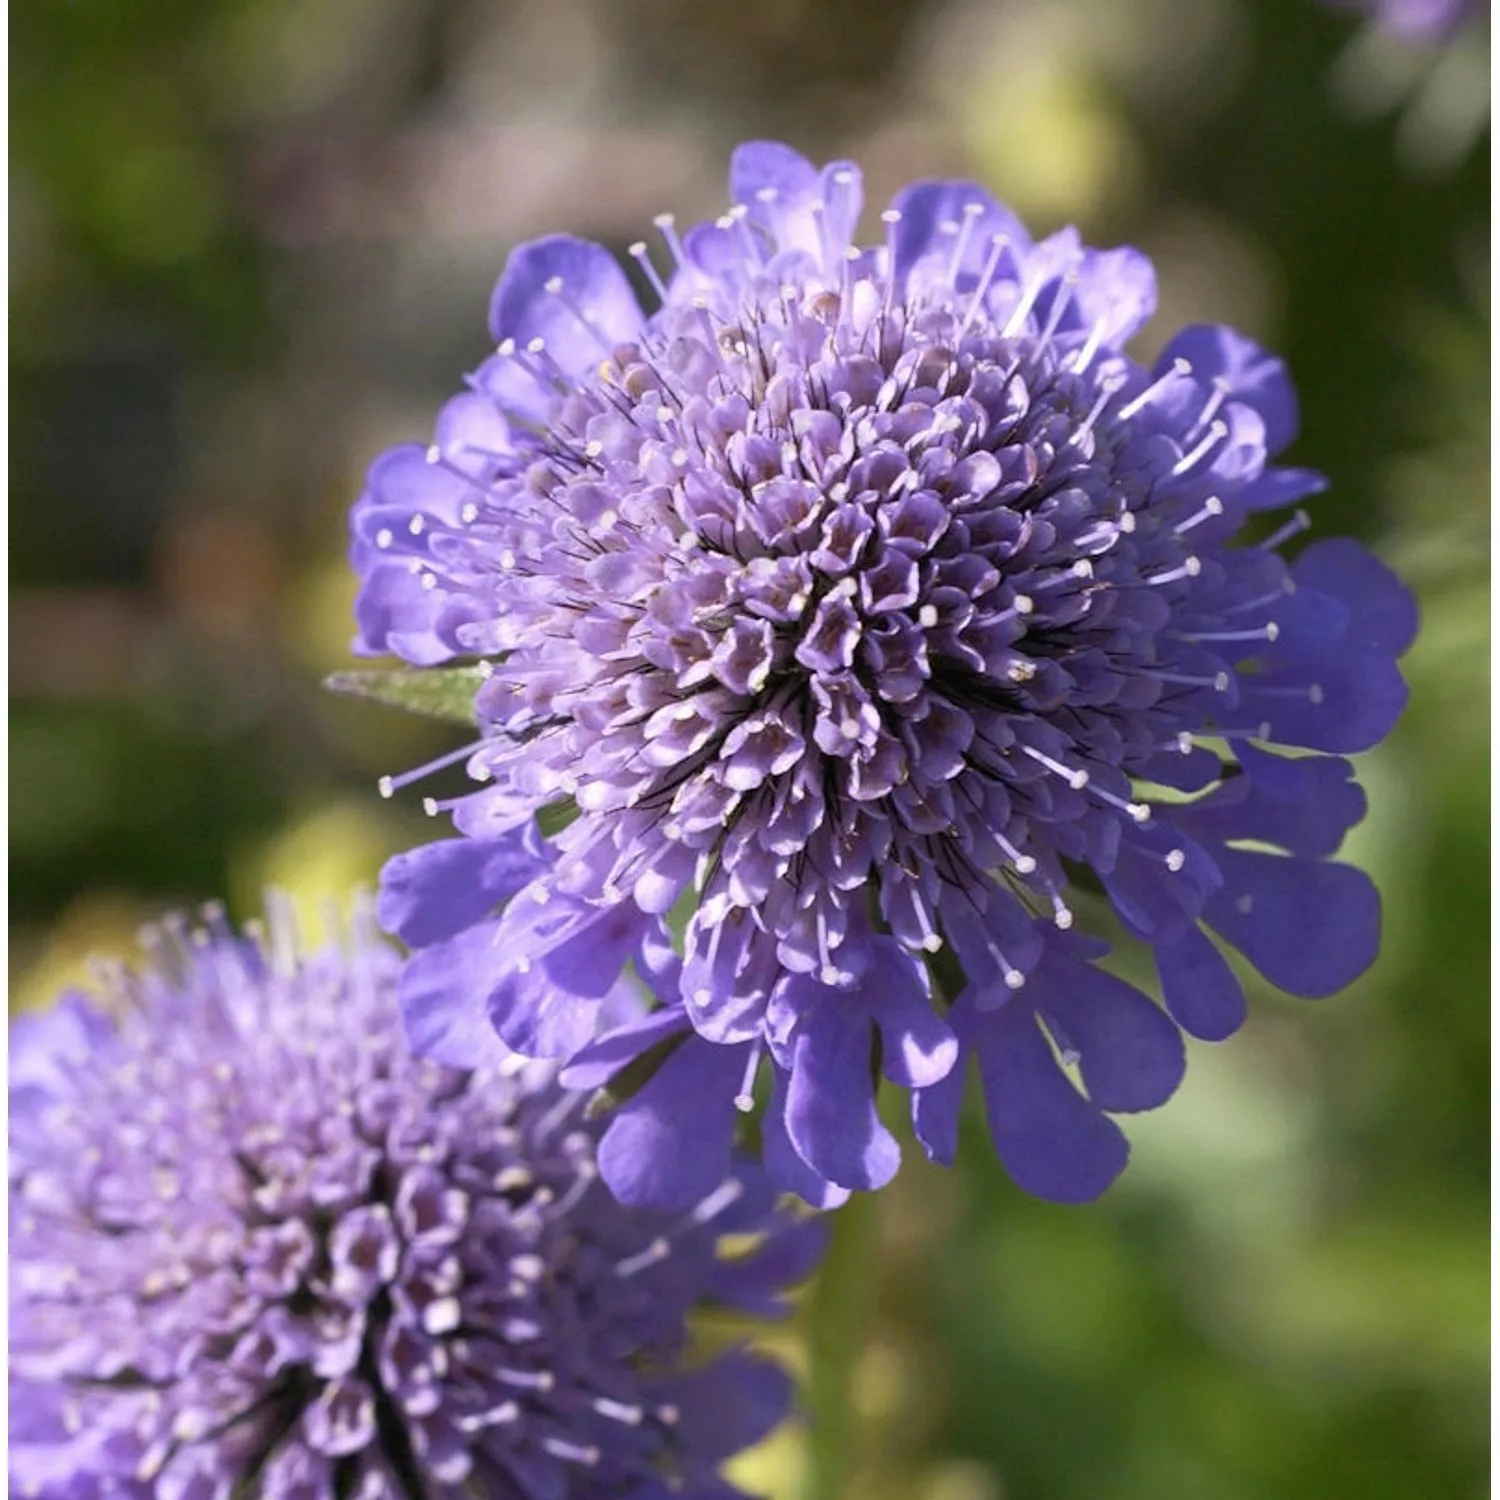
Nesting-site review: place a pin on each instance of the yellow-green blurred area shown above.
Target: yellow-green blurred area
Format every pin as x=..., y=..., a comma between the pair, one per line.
x=252, y=243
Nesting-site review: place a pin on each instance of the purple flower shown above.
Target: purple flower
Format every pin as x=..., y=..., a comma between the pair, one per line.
x=1418, y=20
x=863, y=604
x=260, y=1249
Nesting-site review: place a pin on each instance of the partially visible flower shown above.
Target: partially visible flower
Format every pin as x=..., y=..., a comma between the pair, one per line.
x=1417, y=20
x=1428, y=62
x=867, y=602
x=258, y=1249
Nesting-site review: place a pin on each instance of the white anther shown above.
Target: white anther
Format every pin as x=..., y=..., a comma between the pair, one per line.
x=1176, y=859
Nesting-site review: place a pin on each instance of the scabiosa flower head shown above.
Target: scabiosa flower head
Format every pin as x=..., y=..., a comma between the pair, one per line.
x=258, y=1249
x=866, y=600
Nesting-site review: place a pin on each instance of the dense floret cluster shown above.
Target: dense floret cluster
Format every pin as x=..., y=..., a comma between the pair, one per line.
x=258, y=1249
x=865, y=605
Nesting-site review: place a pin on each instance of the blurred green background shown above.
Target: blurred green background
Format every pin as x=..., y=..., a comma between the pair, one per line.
x=252, y=243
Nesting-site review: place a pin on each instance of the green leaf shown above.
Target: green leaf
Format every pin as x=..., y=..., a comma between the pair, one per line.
x=437, y=692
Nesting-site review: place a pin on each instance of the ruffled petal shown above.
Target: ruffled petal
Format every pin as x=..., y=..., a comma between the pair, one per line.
x=1305, y=806
x=930, y=215
x=581, y=948
x=783, y=191
x=1278, y=487
x=726, y=1406
x=396, y=616
x=669, y=1145
x=536, y=1019
x=1383, y=609
x=935, y=1111
x=1130, y=1052
x=1250, y=374
x=1311, y=927
x=758, y=1284
x=830, y=1110
x=918, y=1045
x=438, y=889
x=592, y=1066
x=1342, y=705
x=442, y=990
x=785, y=1166
x=1114, y=291
x=591, y=286
x=1052, y=1140
x=1199, y=987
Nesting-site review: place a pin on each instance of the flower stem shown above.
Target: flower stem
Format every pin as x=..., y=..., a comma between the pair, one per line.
x=838, y=1322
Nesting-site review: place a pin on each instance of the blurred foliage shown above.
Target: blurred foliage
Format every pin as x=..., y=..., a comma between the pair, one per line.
x=251, y=244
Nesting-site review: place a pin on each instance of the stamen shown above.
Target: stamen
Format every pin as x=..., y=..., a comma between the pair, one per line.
x=1085, y=356
x=819, y=213
x=1267, y=632
x=1191, y=568
x=1179, y=369
x=1219, y=682
x=618, y=1411
x=495, y=1416
x=571, y=1452
x=1076, y=779
x=1107, y=389
x=555, y=374
x=744, y=1101
x=642, y=258
x=1211, y=406
x=731, y=1190
x=998, y=242
x=1137, y=812
x=1213, y=506
x=1022, y=310
x=971, y=215
x=390, y=785
x=1175, y=860
x=1023, y=864
x=1215, y=434
x=931, y=942
x=1014, y=978
x=1295, y=527
x=1059, y=307
x=667, y=224
x=890, y=218
x=654, y=1253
